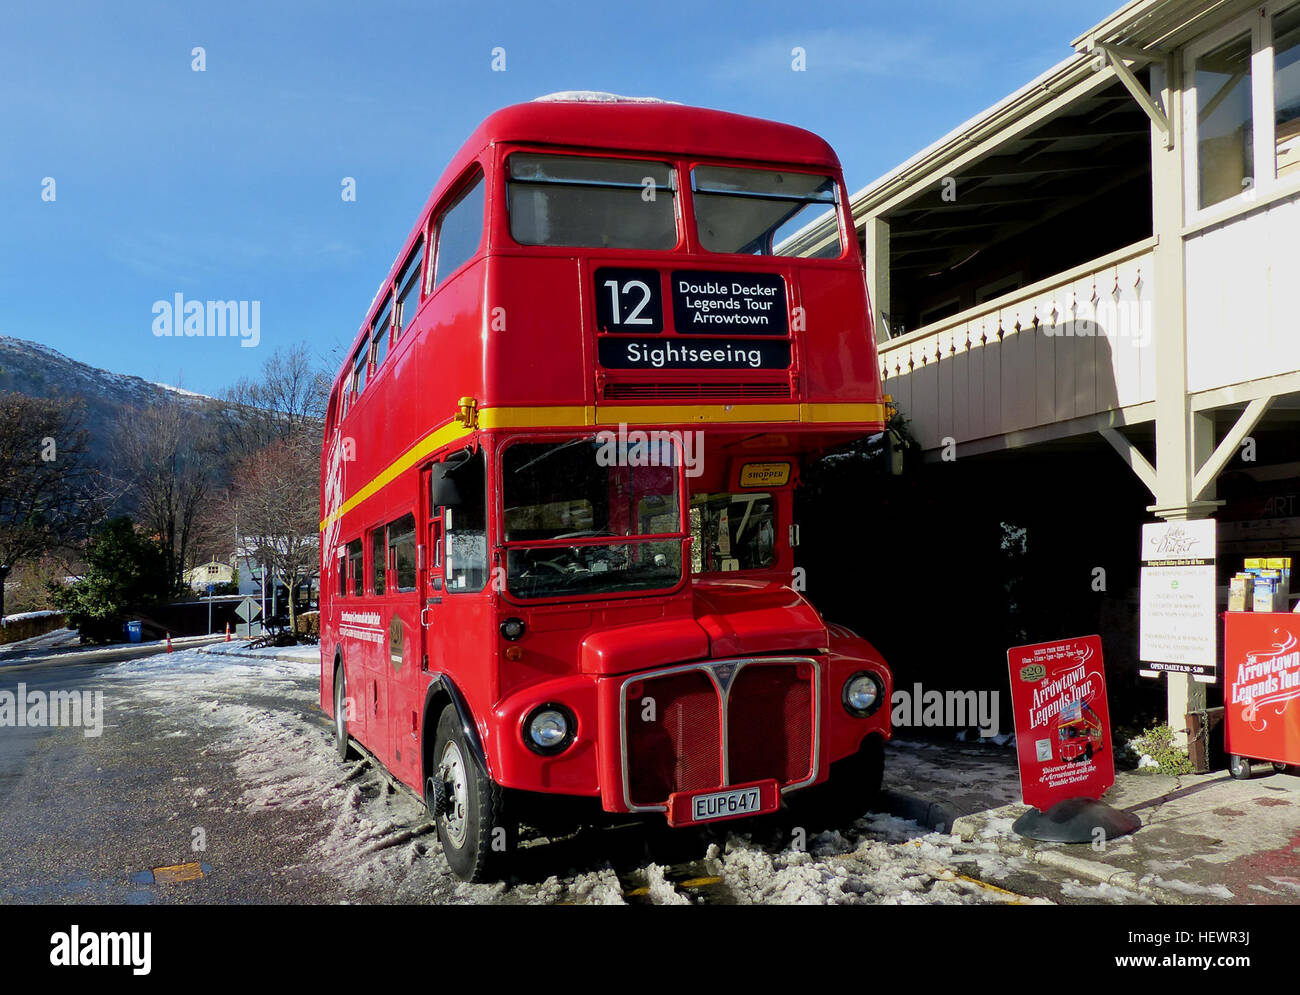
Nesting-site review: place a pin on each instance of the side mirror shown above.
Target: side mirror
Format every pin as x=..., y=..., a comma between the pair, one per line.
x=443, y=492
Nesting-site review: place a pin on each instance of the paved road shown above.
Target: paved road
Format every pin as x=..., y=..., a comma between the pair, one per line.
x=85, y=819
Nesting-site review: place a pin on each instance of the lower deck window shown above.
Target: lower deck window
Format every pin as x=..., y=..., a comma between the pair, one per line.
x=732, y=532
x=354, y=566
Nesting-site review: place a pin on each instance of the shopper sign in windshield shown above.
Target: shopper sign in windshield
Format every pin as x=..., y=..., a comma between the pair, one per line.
x=1058, y=694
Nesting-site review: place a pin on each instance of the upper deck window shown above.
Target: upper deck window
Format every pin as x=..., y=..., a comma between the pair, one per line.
x=601, y=203
x=460, y=231
x=408, y=290
x=360, y=365
x=752, y=211
x=379, y=332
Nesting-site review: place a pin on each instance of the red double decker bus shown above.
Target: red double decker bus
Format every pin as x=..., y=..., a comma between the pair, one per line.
x=557, y=545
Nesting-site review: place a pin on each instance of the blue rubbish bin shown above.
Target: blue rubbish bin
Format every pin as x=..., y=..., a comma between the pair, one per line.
x=133, y=632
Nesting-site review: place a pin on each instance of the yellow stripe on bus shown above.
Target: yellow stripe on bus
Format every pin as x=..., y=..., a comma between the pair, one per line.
x=435, y=440
x=590, y=415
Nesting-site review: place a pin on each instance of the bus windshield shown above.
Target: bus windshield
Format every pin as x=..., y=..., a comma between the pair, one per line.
x=754, y=211
x=560, y=499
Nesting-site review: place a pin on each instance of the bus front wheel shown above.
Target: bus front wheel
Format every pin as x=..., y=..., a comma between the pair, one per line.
x=467, y=807
x=341, y=744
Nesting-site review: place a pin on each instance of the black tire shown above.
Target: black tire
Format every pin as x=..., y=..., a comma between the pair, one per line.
x=467, y=807
x=1239, y=767
x=342, y=744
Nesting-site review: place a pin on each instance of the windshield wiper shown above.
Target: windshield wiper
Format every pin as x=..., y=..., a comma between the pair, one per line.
x=549, y=453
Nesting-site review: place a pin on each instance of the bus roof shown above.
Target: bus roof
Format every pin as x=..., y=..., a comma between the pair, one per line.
x=594, y=120
x=643, y=126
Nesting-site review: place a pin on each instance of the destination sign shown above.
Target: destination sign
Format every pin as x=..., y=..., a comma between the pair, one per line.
x=693, y=354
x=739, y=303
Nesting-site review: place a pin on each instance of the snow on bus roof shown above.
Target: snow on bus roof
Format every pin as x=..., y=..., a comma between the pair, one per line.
x=598, y=97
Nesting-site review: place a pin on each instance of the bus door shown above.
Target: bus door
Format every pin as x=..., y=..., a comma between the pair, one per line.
x=456, y=606
x=402, y=661
x=432, y=582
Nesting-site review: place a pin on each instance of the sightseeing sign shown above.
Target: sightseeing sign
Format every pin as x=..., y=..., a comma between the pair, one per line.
x=1058, y=696
x=1262, y=661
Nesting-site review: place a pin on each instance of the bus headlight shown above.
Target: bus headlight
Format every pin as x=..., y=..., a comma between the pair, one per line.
x=863, y=694
x=512, y=629
x=548, y=730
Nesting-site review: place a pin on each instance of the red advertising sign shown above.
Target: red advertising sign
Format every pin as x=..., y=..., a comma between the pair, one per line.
x=1262, y=700
x=1058, y=695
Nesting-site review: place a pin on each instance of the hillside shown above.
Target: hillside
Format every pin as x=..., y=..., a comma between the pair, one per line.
x=39, y=371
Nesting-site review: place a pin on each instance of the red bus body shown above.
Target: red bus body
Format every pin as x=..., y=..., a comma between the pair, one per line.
x=744, y=678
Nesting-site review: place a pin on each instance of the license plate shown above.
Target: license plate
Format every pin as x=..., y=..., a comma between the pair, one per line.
x=730, y=803
x=720, y=804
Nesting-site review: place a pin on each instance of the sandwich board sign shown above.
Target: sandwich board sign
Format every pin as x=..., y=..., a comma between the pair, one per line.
x=1058, y=696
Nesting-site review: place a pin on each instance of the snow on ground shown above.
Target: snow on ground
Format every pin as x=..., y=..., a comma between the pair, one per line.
x=260, y=710
x=27, y=616
x=61, y=642
x=26, y=650
x=305, y=654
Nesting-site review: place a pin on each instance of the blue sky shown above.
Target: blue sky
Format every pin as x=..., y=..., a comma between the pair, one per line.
x=225, y=184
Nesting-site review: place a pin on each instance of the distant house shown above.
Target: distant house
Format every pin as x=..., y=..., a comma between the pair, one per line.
x=250, y=579
x=212, y=572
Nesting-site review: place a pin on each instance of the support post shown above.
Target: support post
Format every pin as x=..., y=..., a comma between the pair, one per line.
x=876, y=243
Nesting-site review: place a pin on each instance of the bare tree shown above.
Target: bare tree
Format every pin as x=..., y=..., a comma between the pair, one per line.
x=288, y=398
x=167, y=452
x=49, y=492
x=276, y=493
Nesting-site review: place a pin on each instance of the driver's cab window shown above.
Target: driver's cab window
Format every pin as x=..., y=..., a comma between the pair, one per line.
x=465, y=528
x=732, y=532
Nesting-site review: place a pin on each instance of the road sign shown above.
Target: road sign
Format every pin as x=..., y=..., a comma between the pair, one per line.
x=251, y=613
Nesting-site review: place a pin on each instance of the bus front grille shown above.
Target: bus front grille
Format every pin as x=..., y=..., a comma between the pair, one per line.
x=770, y=723
x=674, y=736
x=707, y=725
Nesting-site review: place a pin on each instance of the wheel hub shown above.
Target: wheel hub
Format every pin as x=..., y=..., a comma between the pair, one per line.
x=451, y=795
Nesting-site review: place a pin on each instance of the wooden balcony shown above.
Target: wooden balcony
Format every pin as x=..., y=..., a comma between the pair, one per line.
x=1072, y=346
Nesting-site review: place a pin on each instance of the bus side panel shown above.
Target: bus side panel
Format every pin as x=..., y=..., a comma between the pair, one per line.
x=448, y=353
x=542, y=298
x=838, y=356
x=464, y=646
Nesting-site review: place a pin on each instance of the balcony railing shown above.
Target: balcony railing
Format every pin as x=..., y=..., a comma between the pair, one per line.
x=1073, y=345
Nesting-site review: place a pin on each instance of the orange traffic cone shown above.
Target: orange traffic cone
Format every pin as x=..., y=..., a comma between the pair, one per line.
x=227, y=632
x=169, y=642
